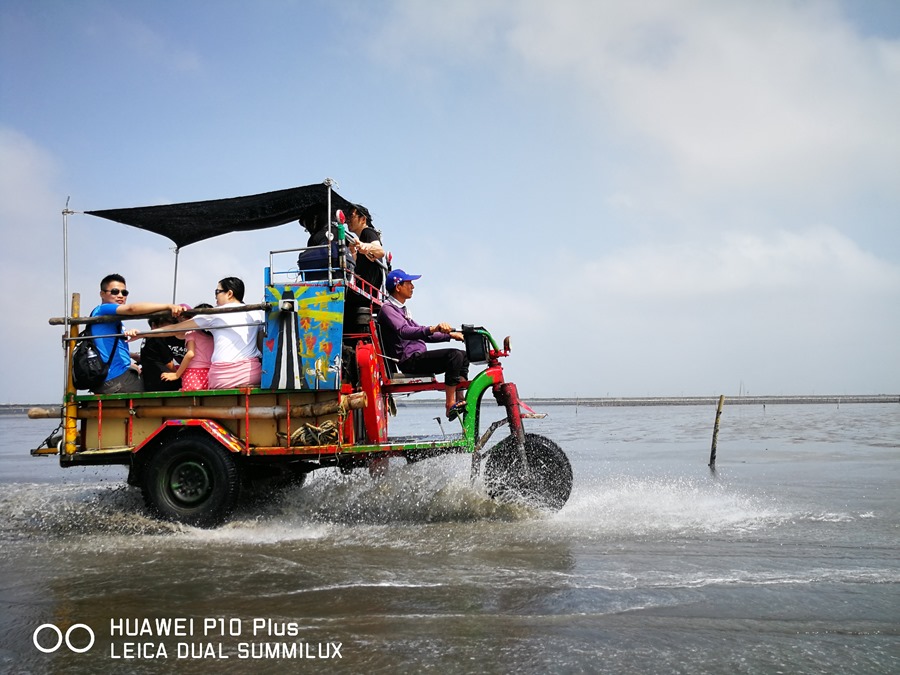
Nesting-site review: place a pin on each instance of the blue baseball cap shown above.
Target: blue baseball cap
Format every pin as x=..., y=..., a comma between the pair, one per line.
x=396, y=276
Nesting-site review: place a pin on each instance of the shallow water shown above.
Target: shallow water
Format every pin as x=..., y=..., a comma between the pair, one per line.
x=785, y=560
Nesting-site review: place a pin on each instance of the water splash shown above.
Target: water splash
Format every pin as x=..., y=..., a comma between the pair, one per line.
x=429, y=492
x=667, y=505
x=425, y=493
x=58, y=510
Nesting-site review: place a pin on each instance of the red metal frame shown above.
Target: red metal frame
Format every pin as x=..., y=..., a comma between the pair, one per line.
x=231, y=442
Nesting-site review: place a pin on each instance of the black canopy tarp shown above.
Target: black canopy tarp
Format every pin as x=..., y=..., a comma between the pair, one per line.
x=195, y=221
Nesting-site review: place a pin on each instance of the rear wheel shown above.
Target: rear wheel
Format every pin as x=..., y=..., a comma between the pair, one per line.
x=193, y=481
x=546, y=482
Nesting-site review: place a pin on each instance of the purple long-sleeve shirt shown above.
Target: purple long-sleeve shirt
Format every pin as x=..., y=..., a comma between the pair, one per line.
x=402, y=336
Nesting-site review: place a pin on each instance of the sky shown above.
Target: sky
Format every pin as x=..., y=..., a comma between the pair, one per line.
x=665, y=198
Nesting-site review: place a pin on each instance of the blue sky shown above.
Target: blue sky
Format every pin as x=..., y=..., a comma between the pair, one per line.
x=692, y=197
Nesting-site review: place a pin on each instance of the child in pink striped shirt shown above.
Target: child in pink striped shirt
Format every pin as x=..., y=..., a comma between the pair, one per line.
x=194, y=368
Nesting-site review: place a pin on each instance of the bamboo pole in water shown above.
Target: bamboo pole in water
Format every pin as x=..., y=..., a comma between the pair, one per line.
x=715, y=437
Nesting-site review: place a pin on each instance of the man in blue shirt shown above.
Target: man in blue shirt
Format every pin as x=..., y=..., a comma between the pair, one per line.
x=121, y=378
x=405, y=340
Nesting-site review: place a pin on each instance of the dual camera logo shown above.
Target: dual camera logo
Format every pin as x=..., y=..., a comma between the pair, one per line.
x=63, y=637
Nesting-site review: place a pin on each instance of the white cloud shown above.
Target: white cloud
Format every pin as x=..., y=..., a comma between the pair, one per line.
x=777, y=103
x=784, y=312
x=737, y=263
x=761, y=99
x=29, y=238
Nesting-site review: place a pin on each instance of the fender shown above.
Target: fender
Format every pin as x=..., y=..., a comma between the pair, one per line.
x=486, y=379
x=228, y=440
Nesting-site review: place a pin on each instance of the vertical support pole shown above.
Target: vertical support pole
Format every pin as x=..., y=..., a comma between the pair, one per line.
x=70, y=423
x=175, y=277
x=715, y=436
x=65, y=215
x=328, y=183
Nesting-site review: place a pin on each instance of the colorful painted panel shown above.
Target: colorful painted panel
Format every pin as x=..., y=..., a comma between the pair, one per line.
x=302, y=349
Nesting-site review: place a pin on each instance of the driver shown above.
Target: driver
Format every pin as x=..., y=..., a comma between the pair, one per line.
x=405, y=340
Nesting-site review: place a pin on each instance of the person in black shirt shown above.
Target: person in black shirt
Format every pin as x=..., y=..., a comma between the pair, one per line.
x=158, y=357
x=369, y=256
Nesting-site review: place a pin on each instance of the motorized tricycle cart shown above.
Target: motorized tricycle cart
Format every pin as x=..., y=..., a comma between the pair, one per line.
x=326, y=395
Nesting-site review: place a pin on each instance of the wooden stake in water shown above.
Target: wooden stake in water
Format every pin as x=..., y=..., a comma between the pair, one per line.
x=715, y=438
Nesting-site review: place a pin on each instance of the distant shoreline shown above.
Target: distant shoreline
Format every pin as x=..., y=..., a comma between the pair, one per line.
x=714, y=400
x=22, y=408
x=623, y=401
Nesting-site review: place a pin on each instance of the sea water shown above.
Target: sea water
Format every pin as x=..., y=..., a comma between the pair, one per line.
x=785, y=559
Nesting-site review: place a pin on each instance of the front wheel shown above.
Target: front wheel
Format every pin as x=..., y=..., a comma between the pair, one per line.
x=192, y=481
x=546, y=482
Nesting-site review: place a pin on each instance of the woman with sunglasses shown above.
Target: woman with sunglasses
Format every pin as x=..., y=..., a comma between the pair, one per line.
x=236, y=356
x=121, y=377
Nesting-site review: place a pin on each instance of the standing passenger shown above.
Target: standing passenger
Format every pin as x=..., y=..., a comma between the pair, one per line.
x=368, y=253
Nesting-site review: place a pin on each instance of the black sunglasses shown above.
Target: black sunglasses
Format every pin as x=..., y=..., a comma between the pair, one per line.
x=220, y=290
x=116, y=291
